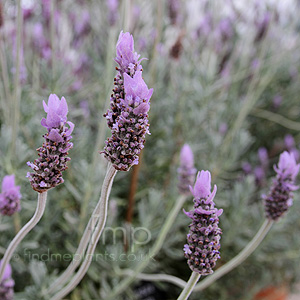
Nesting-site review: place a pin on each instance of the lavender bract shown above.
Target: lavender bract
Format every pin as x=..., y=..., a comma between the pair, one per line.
x=7, y=285
x=130, y=103
x=186, y=171
x=202, y=250
x=280, y=196
x=10, y=196
x=47, y=169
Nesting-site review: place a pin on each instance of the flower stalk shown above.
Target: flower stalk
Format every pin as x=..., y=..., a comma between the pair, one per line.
x=94, y=236
x=189, y=286
x=42, y=198
x=123, y=285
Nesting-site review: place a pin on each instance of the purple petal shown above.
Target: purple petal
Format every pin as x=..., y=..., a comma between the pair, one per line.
x=70, y=130
x=202, y=186
x=143, y=108
x=55, y=136
x=186, y=156
x=8, y=182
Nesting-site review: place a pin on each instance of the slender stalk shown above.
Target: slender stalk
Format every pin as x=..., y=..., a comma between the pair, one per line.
x=52, y=35
x=101, y=130
x=127, y=15
x=92, y=235
x=42, y=198
x=155, y=277
x=153, y=251
x=5, y=77
x=17, y=222
x=17, y=95
x=246, y=252
x=189, y=286
x=276, y=118
x=237, y=260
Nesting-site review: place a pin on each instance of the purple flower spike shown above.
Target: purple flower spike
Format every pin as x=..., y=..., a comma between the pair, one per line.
x=10, y=196
x=203, y=239
x=280, y=196
x=186, y=171
x=130, y=103
x=7, y=284
x=47, y=169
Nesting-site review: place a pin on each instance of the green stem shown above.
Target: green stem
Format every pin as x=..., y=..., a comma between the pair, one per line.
x=264, y=229
x=189, y=286
x=42, y=198
x=248, y=250
x=153, y=251
x=100, y=133
x=91, y=236
x=154, y=277
x=52, y=35
x=276, y=118
x=17, y=95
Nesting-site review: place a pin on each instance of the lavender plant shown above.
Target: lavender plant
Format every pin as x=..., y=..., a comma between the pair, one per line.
x=10, y=196
x=202, y=250
x=280, y=197
x=127, y=117
x=48, y=168
x=128, y=121
x=53, y=153
x=234, y=73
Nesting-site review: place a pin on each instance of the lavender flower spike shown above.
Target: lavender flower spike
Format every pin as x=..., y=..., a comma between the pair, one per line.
x=280, y=196
x=128, y=114
x=186, y=171
x=10, y=196
x=202, y=250
x=7, y=284
x=47, y=169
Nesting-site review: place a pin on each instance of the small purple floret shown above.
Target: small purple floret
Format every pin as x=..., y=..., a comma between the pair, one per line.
x=7, y=284
x=10, y=196
x=47, y=169
x=202, y=249
x=186, y=171
x=280, y=196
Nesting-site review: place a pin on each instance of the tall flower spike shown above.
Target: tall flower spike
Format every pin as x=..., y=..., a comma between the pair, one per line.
x=202, y=249
x=7, y=285
x=47, y=169
x=128, y=114
x=186, y=171
x=280, y=196
x=10, y=196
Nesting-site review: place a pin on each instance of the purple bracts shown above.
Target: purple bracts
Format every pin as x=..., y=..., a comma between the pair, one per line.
x=128, y=114
x=53, y=153
x=10, y=196
x=186, y=171
x=202, y=250
x=280, y=196
x=7, y=285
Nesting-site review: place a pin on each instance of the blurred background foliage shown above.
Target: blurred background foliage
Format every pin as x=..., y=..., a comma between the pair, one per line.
x=225, y=79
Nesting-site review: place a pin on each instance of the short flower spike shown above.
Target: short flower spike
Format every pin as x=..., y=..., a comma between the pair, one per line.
x=202, y=249
x=128, y=114
x=186, y=171
x=47, y=169
x=10, y=196
x=280, y=196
